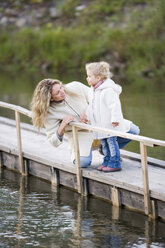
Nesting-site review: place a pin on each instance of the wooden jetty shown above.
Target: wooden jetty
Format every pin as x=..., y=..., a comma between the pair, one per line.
x=139, y=186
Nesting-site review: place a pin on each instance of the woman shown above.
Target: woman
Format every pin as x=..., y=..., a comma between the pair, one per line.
x=54, y=106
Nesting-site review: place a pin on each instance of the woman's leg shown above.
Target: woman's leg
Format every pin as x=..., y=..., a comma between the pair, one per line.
x=123, y=141
x=86, y=161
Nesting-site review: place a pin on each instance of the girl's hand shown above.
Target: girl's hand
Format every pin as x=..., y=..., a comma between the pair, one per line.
x=83, y=118
x=115, y=124
x=67, y=119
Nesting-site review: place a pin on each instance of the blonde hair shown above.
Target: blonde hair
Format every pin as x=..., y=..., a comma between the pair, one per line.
x=101, y=69
x=41, y=101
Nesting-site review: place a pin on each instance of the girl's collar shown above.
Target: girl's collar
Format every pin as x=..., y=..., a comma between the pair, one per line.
x=97, y=85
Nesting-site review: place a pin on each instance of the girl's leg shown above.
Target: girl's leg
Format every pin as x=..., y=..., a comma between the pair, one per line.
x=123, y=141
x=114, y=161
x=106, y=152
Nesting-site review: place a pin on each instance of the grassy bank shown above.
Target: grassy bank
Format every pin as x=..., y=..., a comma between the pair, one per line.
x=130, y=35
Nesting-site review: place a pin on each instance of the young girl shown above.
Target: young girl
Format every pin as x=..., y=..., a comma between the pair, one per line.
x=104, y=110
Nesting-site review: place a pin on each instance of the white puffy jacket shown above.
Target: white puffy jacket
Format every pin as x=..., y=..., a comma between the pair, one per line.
x=105, y=107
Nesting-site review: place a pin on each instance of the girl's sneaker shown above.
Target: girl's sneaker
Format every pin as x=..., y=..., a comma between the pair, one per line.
x=110, y=169
x=100, y=168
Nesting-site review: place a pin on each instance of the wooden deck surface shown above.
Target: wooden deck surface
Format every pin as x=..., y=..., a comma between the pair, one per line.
x=36, y=147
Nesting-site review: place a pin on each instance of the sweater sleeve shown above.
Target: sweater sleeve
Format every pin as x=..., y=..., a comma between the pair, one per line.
x=85, y=90
x=51, y=126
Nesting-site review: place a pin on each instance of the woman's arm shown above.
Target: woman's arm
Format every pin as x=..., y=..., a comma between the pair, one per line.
x=67, y=119
x=55, y=129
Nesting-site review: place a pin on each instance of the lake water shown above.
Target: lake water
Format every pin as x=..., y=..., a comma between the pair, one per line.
x=34, y=214
x=146, y=108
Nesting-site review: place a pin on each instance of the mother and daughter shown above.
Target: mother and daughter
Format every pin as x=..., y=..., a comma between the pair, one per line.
x=55, y=105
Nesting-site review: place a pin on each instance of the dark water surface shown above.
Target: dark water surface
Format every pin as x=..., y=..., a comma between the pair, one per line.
x=34, y=214
x=146, y=108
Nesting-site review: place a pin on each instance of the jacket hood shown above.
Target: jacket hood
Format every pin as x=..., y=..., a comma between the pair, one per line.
x=109, y=83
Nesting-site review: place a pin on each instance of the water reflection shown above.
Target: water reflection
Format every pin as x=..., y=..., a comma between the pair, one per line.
x=32, y=213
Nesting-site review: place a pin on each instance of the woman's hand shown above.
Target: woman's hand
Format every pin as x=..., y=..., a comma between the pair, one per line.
x=67, y=119
x=115, y=124
x=83, y=118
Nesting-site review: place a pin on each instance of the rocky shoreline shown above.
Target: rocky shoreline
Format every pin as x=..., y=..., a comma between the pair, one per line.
x=15, y=15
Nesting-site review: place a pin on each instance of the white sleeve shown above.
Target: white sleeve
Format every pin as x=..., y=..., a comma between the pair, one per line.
x=113, y=103
x=51, y=126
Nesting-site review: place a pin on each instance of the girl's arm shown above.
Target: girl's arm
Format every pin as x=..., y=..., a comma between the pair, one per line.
x=113, y=103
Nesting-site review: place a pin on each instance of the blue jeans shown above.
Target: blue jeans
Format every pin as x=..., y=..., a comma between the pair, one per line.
x=123, y=141
x=111, y=152
x=85, y=161
x=111, y=146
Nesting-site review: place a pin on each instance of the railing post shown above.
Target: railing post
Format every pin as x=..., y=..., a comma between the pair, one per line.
x=77, y=157
x=147, y=203
x=21, y=166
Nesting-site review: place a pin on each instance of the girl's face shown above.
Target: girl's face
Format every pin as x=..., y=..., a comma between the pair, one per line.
x=58, y=92
x=92, y=79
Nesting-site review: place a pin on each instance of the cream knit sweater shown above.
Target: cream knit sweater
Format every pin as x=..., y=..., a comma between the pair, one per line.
x=78, y=100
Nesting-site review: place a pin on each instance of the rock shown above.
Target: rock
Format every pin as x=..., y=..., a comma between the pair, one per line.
x=11, y=12
x=40, y=13
x=53, y=12
x=4, y=21
x=148, y=73
x=45, y=67
x=21, y=22
x=80, y=7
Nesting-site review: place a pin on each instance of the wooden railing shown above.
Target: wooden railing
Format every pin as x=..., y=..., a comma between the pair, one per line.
x=144, y=141
x=18, y=110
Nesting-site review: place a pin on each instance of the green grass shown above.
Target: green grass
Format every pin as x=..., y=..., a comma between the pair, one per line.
x=140, y=45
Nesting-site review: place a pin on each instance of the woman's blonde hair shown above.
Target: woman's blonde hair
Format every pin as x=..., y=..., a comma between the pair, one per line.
x=101, y=69
x=41, y=101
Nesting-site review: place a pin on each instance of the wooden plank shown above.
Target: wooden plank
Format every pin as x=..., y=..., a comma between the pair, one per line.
x=148, y=141
x=1, y=163
x=100, y=190
x=147, y=203
x=161, y=209
x=55, y=178
x=39, y=170
x=19, y=142
x=16, y=108
x=85, y=187
x=132, y=199
x=77, y=156
x=26, y=166
x=115, y=197
x=154, y=209
x=68, y=180
x=11, y=161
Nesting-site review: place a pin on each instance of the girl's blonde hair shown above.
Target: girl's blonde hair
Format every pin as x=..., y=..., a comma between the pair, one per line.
x=41, y=101
x=101, y=69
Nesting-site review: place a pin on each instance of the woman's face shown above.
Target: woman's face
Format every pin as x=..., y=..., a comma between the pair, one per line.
x=58, y=92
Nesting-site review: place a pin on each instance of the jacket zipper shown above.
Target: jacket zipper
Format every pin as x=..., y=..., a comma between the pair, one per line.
x=71, y=108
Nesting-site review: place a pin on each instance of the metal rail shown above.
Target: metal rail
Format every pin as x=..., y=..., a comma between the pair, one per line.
x=144, y=142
